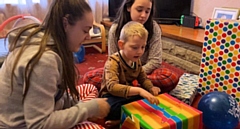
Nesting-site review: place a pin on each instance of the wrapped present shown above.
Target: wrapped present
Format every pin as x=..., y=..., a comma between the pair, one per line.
x=220, y=63
x=171, y=113
x=186, y=88
x=130, y=123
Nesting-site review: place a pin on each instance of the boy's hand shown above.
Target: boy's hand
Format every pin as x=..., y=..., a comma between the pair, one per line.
x=152, y=99
x=155, y=90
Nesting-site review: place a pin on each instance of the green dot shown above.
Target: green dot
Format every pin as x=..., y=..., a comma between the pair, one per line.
x=207, y=58
x=208, y=82
x=234, y=36
x=238, y=100
x=215, y=34
x=230, y=26
x=227, y=71
x=203, y=88
x=238, y=83
x=227, y=44
x=230, y=54
x=221, y=78
x=211, y=24
x=209, y=41
x=212, y=51
x=224, y=87
x=210, y=67
x=205, y=74
x=224, y=62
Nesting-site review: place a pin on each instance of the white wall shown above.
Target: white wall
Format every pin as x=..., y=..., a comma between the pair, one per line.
x=204, y=8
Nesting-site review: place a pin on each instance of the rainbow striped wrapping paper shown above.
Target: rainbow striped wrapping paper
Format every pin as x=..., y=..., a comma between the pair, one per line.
x=171, y=113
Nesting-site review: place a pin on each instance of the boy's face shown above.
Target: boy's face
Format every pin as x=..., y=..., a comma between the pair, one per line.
x=133, y=49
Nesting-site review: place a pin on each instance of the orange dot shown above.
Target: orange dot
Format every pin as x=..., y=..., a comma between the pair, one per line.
x=212, y=86
x=231, y=75
x=234, y=58
x=228, y=66
x=225, y=82
x=238, y=40
x=215, y=27
x=214, y=71
x=234, y=30
x=219, y=37
x=231, y=48
x=211, y=62
x=213, y=45
x=209, y=77
x=216, y=54
x=228, y=91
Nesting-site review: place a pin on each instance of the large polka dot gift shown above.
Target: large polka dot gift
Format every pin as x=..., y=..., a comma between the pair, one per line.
x=220, y=65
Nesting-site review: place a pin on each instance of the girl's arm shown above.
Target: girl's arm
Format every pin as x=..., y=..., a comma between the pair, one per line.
x=112, y=45
x=154, y=59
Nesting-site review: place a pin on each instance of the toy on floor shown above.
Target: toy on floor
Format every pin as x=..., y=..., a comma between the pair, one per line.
x=220, y=110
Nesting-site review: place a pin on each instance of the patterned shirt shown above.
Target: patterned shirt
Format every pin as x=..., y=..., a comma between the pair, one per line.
x=152, y=58
x=118, y=76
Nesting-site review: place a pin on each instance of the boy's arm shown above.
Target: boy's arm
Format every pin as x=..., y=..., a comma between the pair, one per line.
x=144, y=81
x=111, y=79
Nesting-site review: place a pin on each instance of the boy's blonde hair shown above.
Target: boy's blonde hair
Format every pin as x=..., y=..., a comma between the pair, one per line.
x=131, y=29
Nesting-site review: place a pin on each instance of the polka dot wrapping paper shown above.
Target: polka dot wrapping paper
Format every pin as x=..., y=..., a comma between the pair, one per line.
x=220, y=64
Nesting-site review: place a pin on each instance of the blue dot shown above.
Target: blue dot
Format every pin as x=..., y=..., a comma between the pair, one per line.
x=235, y=85
x=222, y=47
x=207, y=87
x=219, y=64
x=214, y=39
x=238, y=68
x=207, y=27
x=229, y=60
x=216, y=22
x=209, y=72
x=235, y=23
x=212, y=56
x=217, y=79
x=232, y=42
x=203, y=60
x=201, y=75
x=226, y=77
x=225, y=28
x=205, y=44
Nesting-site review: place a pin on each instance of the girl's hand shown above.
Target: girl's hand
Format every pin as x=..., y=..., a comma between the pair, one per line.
x=155, y=90
x=152, y=99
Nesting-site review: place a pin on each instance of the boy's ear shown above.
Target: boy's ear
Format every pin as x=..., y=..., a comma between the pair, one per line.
x=120, y=44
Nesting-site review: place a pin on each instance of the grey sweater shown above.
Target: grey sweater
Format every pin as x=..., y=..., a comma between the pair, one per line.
x=39, y=110
x=152, y=58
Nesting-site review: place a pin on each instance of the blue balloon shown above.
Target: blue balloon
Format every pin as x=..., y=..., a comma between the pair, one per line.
x=79, y=56
x=220, y=110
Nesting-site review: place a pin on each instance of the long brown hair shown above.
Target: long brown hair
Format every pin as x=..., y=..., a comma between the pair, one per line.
x=123, y=16
x=53, y=27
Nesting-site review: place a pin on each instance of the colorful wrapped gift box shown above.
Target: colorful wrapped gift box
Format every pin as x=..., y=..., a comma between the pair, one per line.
x=171, y=113
x=220, y=65
x=186, y=88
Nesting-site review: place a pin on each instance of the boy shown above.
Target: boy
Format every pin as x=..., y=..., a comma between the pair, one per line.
x=122, y=68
